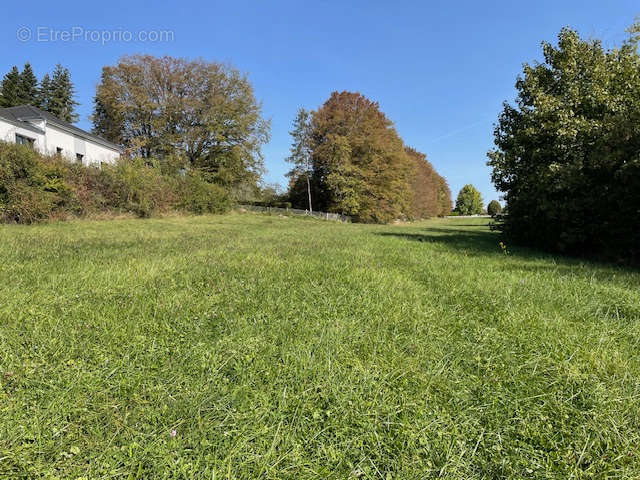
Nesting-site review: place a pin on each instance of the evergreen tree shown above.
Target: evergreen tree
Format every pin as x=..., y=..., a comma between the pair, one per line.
x=301, y=150
x=9, y=88
x=28, y=87
x=61, y=102
x=45, y=93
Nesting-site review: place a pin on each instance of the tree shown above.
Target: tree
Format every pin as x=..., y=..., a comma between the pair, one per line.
x=60, y=100
x=430, y=193
x=205, y=111
x=360, y=167
x=10, y=88
x=45, y=93
x=494, y=208
x=567, y=153
x=28, y=87
x=469, y=201
x=301, y=150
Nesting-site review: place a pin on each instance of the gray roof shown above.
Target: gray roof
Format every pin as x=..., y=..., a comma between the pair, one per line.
x=21, y=114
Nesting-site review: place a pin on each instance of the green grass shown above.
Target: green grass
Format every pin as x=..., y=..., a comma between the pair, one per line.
x=288, y=348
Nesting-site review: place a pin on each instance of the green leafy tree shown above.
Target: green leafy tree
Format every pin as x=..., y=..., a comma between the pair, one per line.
x=28, y=87
x=494, y=208
x=301, y=150
x=10, y=88
x=61, y=102
x=204, y=111
x=567, y=153
x=469, y=201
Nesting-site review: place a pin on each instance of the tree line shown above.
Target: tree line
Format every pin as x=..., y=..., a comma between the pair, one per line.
x=567, y=155
x=349, y=159
x=53, y=94
x=203, y=116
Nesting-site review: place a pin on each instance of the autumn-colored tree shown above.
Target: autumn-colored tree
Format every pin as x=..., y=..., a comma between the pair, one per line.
x=206, y=111
x=430, y=192
x=360, y=166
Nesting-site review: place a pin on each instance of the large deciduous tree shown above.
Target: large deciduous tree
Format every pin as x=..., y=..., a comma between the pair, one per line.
x=469, y=201
x=567, y=153
x=430, y=194
x=360, y=166
x=205, y=111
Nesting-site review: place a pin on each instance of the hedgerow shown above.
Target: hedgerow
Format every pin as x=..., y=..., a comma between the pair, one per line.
x=34, y=188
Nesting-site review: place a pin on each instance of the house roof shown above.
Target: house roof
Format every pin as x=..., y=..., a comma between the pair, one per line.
x=22, y=114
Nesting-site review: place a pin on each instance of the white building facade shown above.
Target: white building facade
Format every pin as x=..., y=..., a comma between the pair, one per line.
x=51, y=136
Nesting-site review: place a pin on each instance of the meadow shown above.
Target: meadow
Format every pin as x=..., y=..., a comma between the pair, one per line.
x=253, y=346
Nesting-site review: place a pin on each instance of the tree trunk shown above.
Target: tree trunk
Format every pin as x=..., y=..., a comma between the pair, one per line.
x=309, y=192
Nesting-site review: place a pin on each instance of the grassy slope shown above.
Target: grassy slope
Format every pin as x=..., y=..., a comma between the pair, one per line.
x=294, y=348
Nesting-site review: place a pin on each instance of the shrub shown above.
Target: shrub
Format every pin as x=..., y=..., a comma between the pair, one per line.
x=494, y=208
x=198, y=196
x=35, y=187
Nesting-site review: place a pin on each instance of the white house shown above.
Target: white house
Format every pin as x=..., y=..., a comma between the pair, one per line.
x=50, y=135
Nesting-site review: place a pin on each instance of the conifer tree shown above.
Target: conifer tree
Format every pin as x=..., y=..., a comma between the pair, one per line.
x=27, y=93
x=301, y=150
x=9, y=88
x=61, y=102
x=44, y=93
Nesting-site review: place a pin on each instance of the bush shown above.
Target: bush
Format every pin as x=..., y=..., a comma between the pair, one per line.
x=567, y=152
x=198, y=196
x=494, y=208
x=34, y=188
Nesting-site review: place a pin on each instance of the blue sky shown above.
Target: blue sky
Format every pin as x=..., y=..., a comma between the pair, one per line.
x=440, y=70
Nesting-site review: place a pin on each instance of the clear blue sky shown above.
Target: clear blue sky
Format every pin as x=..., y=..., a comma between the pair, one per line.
x=439, y=69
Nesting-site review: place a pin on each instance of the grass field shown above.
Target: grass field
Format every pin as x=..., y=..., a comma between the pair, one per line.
x=249, y=346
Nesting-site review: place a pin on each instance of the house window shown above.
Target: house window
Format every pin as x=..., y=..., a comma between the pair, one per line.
x=58, y=151
x=79, y=157
x=22, y=140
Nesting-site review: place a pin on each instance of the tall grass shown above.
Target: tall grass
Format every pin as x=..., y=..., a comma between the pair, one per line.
x=247, y=346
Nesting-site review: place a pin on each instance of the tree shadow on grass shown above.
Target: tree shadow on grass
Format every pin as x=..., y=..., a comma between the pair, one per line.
x=487, y=244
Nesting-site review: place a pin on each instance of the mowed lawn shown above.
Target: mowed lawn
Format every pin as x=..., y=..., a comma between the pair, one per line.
x=253, y=346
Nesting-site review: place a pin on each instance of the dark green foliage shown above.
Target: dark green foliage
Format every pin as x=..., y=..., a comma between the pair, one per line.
x=55, y=94
x=35, y=188
x=28, y=93
x=10, y=89
x=567, y=153
x=469, y=201
x=45, y=93
x=494, y=208
x=61, y=102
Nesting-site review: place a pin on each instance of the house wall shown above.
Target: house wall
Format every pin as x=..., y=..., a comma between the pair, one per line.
x=94, y=153
x=8, y=133
x=59, y=139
